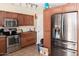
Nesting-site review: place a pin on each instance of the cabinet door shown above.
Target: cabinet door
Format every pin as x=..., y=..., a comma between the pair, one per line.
x=23, y=42
x=28, y=20
x=20, y=20
x=1, y=18
x=47, y=23
x=11, y=15
x=2, y=45
x=31, y=20
x=27, y=41
x=14, y=15
x=69, y=7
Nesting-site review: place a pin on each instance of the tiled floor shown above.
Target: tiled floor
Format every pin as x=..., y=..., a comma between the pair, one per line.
x=28, y=51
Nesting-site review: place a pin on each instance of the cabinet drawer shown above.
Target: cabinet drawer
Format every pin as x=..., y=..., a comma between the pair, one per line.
x=31, y=39
x=70, y=45
x=26, y=42
x=63, y=44
x=64, y=52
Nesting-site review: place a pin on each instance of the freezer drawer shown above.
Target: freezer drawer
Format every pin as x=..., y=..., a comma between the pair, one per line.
x=58, y=52
x=64, y=44
x=71, y=53
x=56, y=43
x=69, y=45
x=63, y=52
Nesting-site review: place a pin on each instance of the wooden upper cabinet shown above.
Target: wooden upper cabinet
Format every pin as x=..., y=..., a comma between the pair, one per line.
x=70, y=7
x=1, y=18
x=21, y=20
x=55, y=10
x=25, y=20
x=47, y=22
x=31, y=20
x=28, y=20
x=10, y=15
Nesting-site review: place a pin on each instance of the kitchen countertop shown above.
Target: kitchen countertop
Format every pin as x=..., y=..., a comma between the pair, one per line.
x=2, y=36
x=18, y=33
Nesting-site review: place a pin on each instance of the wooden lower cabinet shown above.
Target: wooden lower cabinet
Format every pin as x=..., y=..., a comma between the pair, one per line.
x=28, y=38
x=2, y=45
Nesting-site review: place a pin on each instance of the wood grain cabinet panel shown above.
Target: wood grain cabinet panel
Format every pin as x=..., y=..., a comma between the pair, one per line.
x=47, y=39
x=23, y=42
x=23, y=19
x=47, y=23
x=20, y=20
x=10, y=15
x=1, y=18
x=28, y=20
x=2, y=45
x=31, y=20
x=4, y=15
x=69, y=7
x=56, y=10
x=28, y=38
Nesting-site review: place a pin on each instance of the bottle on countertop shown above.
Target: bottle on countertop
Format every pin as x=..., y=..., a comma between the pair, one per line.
x=19, y=30
x=30, y=30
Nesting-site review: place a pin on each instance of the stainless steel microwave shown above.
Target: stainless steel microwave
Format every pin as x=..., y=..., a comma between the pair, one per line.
x=10, y=22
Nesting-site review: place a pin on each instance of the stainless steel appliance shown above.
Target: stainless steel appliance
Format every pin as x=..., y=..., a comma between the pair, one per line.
x=64, y=33
x=10, y=22
x=10, y=31
x=13, y=43
x=70, y=26
x=58, y=51
x=13, y=38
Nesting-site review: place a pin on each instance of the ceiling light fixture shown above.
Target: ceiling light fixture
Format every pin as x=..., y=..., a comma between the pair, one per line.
x=31, y=5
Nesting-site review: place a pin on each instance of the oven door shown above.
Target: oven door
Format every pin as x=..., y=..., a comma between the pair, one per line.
x=13, y=41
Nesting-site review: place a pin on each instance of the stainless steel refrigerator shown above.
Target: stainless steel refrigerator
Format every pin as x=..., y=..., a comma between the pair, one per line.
x=64, y=34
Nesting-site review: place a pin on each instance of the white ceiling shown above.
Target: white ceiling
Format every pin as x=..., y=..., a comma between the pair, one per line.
x=50, y=4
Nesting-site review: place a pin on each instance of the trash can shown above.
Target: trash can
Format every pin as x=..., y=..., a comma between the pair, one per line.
x=40, y=45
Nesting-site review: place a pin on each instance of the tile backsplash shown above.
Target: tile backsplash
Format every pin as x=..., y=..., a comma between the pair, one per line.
x=26, y=28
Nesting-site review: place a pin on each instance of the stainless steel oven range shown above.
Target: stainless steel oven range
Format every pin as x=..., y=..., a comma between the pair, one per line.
x=13, y=43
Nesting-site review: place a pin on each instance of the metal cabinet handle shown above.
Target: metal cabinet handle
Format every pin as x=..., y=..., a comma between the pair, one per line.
x=74, y=44
x=74, y=52
x=64, y=43
x=64, y=50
